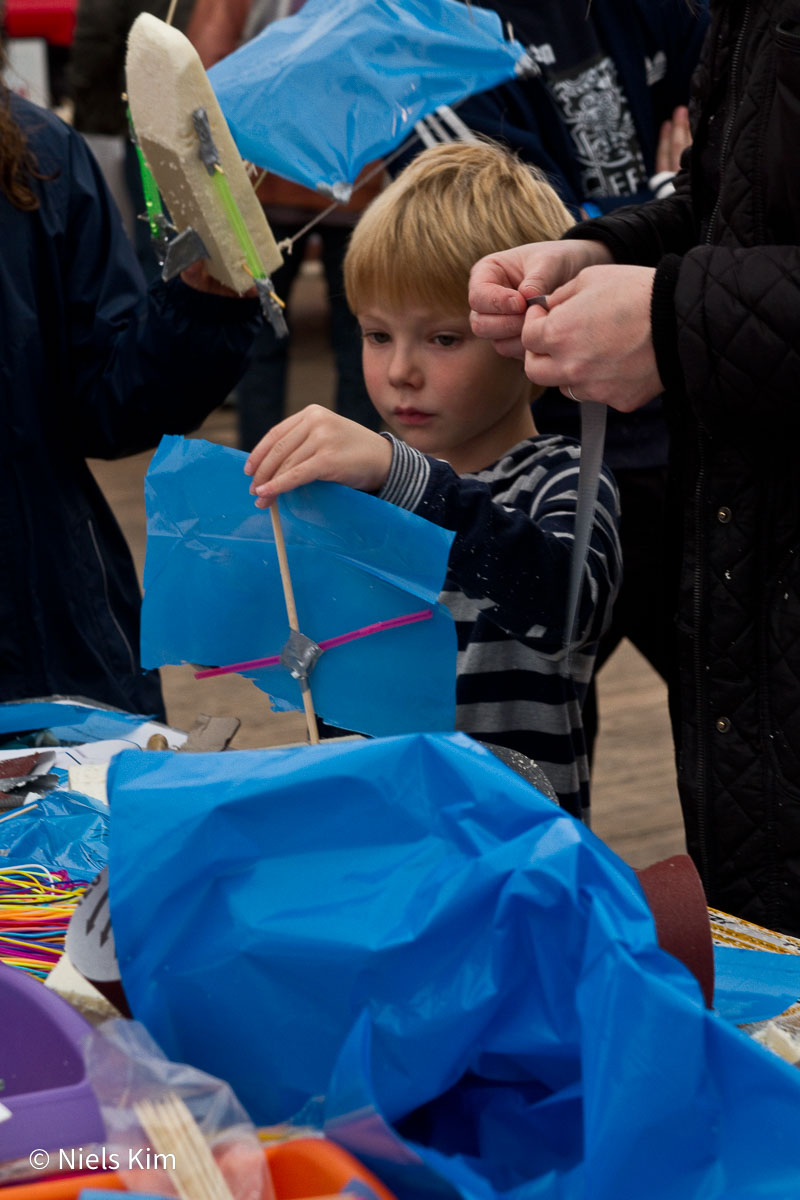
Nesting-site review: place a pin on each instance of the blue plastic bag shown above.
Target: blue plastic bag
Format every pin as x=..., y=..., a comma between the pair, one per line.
x=466, y=973
x=317, y=96
x=213, y=595
x=63, y=831
x=754, y=985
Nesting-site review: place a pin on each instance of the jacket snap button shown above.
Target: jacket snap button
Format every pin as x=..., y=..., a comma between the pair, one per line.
x=724, y=514
x=723, y=724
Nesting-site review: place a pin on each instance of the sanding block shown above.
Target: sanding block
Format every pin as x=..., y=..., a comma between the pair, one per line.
x=187, y=145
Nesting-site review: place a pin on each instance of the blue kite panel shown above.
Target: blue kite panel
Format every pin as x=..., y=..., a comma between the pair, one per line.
x=464, y=971
x=317, y=96
x=213, y=593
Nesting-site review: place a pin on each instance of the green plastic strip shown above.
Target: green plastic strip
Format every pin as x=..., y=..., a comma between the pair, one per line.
x=238, y=225
x=152, y=197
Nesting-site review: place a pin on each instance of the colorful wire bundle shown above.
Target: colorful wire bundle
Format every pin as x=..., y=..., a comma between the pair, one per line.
x=35, y=907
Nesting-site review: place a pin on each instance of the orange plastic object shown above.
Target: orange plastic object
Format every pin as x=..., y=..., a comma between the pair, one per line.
x=316, y=1167
x=302, y=1169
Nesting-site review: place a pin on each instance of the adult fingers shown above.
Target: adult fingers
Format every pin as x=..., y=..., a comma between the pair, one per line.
x=499, y=330
x=493, y=284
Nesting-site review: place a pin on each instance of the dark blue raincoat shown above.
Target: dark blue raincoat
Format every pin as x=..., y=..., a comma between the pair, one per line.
x=91, y=365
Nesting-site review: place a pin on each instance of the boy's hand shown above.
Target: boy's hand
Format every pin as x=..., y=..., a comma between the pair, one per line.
x=317, y=444
x=197, y=276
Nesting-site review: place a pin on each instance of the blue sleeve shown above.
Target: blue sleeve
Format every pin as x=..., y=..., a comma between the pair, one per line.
x=141, y=363
x=517, y=560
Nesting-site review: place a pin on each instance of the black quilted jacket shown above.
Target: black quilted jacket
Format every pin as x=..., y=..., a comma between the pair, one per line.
x=726, y=329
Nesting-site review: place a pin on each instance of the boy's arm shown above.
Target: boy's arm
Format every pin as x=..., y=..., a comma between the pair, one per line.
x=516, y=561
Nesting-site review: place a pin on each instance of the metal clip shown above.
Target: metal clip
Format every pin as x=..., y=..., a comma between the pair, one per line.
x=271, y=306
x=209, y=155
x=160, y=229
x=182, y=251
x=527, y=67
x=339, y=192
x=299, y=656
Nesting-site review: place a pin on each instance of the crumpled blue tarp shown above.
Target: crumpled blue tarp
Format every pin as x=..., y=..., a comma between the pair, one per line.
x=213, y=595
x=63, y=831
x=317, y=96
x=68, y=722
x=469, y=976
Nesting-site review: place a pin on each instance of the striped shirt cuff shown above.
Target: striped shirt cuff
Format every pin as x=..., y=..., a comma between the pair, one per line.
x=408, y=475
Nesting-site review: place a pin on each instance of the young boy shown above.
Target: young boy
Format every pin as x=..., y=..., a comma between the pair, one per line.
x=464, y=452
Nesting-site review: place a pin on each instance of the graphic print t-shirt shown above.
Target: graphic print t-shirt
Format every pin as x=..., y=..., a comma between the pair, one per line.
x=583, y=79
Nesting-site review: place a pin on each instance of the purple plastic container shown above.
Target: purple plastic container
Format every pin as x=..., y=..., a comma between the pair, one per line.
x=43, y=1078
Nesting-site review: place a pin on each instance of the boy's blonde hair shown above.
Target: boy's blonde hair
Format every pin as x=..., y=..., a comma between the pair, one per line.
x=453, y=203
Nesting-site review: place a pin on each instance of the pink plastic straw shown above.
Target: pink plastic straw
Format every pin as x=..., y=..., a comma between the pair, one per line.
x=274, y=660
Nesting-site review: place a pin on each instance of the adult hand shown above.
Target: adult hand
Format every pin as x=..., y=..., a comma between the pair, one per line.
x=501, y=284
x=595, y=342
x=197, y=277
x=317, y=444
x=674, y=136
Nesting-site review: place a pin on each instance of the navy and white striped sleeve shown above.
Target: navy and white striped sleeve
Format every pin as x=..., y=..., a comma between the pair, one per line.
x=514, y=558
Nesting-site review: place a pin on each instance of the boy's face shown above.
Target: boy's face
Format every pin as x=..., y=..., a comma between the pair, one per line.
x=442, y=390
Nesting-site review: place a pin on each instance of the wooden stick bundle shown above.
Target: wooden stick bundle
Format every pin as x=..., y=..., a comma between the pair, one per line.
x=173, y=1130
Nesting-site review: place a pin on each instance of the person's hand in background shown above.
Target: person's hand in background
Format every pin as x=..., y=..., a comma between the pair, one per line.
x=674, y=136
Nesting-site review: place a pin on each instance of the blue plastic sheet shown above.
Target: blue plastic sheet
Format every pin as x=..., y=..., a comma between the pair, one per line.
x=213, y=593
x=68, y=722
x=63, y=831
x=754, y=985
x=319, y=95
x=468, y=975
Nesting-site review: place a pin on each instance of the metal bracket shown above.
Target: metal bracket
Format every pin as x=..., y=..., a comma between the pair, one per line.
x=182, y=251
x=159, y=242
x=299, y=656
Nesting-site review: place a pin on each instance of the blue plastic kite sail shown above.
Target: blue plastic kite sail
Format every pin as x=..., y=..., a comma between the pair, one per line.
x=317, y=96
x=469, y=977
x=213, y=593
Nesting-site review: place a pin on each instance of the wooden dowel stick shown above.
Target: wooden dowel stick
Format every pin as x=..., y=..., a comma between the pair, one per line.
x=291, y=613
x=171, y=12
x=23, y=808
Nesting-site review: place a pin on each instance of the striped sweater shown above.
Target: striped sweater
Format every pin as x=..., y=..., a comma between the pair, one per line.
x=506, y=587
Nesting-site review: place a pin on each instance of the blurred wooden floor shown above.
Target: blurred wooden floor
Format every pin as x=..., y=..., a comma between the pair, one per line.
x=634, y=799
